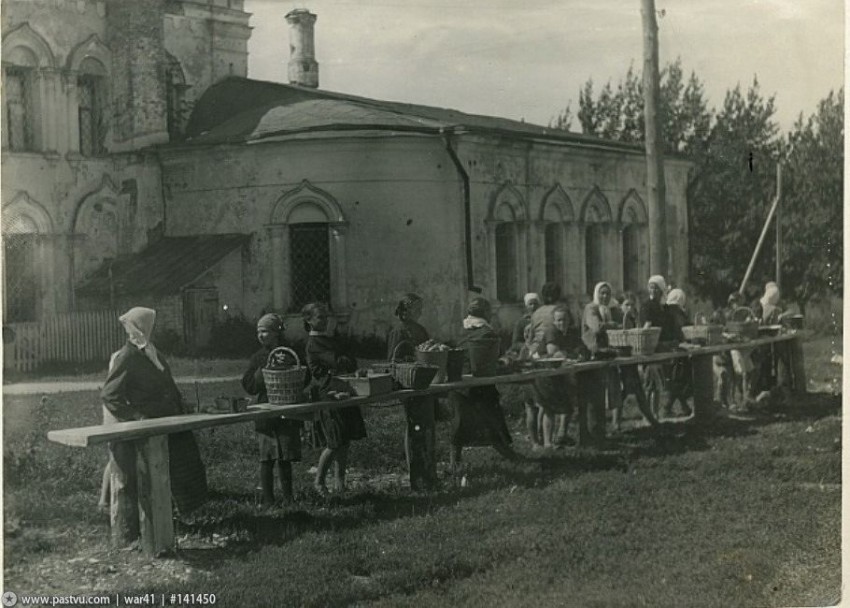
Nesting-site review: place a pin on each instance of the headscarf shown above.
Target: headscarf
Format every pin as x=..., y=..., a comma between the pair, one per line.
x=771, y=295
x=604, y=310
x=405, y=303
x=138, y=322
x=529, y=297
x=477, y=313
x=271, y=321
x=676, y=297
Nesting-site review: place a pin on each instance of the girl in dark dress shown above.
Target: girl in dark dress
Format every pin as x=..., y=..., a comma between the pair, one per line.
x=420, y=431
x=139, y=386
x=680, y=371
x=653, y=314
x=478, y=419
x=339, y=426
x=279, y=439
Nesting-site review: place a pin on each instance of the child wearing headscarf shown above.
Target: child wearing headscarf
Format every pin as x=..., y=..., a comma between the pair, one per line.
x=533, y=412
x=420, y=431
x=278, y=439
x=478, y=419
x=595, y=322
x=680, y=370
x=139, y=386
x=772, y=366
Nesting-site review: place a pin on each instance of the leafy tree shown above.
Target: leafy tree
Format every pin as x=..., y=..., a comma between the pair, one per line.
x=812, y=203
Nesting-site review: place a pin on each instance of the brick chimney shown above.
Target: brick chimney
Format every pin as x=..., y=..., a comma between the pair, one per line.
x=302, y=68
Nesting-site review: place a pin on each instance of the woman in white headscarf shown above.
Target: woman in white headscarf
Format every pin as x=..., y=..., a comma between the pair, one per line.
x=139, y=386
x=772, y=365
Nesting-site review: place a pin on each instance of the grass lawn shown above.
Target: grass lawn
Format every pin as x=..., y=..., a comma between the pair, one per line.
x=739, y=513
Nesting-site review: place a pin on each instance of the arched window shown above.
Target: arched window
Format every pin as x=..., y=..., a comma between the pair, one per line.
x=309, y=256
x=18, y=93
x=175, y=99
x=633, y=219
x=506, y=230
x=596, y=216
x=554, y=245
x=307, y=232
x=91, y=96
x=555, y=218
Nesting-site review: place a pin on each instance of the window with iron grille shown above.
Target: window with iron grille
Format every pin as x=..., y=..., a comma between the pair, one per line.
x=553, y=238
x=90, y=115
x=18, y=110
x=20, y=277
x=310, y=264
x=506, y=263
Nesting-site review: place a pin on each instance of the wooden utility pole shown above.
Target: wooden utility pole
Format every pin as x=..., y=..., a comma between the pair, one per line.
x=655, y=188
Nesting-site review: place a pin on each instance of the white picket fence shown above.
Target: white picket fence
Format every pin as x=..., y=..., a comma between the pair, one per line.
x=68, y=337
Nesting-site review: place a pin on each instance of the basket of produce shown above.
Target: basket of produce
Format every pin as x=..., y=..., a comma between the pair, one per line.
x=743, y=325
x=642, y=341
x=415, y=375
x=701, y=332
x=367, y=382
x=454, y=364
x=433, y=352
x=284, y=381
x=484, y=357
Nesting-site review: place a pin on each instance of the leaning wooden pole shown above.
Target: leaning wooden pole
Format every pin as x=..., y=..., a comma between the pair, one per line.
x=655, y=188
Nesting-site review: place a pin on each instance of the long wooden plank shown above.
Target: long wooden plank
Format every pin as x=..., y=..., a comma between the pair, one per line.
x=124, y=431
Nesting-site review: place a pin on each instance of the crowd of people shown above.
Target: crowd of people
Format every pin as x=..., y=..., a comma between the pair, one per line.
x=139, y=384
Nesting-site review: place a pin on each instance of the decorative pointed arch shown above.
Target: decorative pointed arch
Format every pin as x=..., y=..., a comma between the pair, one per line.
x=92, y=48
x=595, y=208
x=24, y=215
x=632, y=209
x=507, y=204
x=300, y=199
x=104, y=195
x=557, y=206
x=24, y=38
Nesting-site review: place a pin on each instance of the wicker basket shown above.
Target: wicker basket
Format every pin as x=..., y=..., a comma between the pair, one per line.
x=703, y=332
x=285, y=386
x=743, y=324
x=642, y=341
x=415, y=375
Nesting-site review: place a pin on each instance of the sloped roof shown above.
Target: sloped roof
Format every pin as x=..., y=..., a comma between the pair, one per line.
x=164, y=267
x=239, y=109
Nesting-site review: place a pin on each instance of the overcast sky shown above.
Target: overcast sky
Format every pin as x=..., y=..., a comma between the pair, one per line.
x=527, y=59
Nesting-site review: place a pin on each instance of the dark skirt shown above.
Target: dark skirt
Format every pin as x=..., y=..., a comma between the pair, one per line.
x=279, y=439
x=478, y=419
x=555, y=394
x=188, y=475
x=338, y=427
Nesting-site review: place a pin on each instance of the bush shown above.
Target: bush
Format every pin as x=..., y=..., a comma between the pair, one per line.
x=169, y=342
x=235, y=337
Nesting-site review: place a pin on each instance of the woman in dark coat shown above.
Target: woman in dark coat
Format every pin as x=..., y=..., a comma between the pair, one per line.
x=139, y=386
x=478, y=419
x=420, y=431
x=279, y=439
x=339, y=426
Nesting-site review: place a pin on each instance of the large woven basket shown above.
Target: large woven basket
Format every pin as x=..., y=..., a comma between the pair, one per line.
x=701, y=331
x=284, y=386
x=416, y=375
x=643, y=341
x=743, y=324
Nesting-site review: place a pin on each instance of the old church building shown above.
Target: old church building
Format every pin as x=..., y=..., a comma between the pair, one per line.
x=142, y=166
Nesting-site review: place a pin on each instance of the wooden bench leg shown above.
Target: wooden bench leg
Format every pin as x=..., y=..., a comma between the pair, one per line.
x=419, y=442
x=123, y=510
x=799, y=382
x=154, y=495
x=702, y=368
x=591, y=407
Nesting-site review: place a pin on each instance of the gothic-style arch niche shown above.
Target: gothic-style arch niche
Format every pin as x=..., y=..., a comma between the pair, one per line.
x=595, y=208
x=97, y=225
x=24, y=215
x=632, y=209
x=557, y=206
x=23, y=41
x=507, y=205
x=94, y=53
x=300, y=199
x=176, y=106
x=24, y=224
